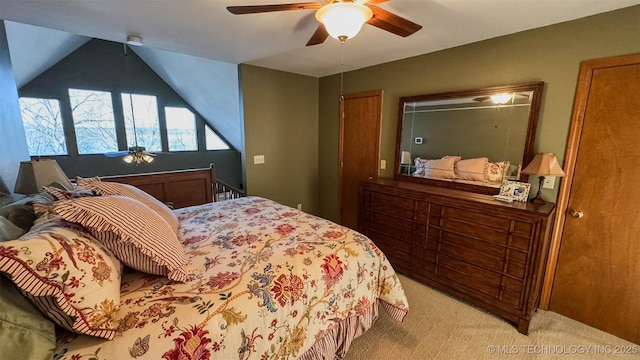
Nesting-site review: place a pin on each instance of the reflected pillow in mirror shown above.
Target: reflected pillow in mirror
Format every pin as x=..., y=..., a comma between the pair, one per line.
x=442, y=168
x=497, y=171
x=472, y=169
x=421, y=165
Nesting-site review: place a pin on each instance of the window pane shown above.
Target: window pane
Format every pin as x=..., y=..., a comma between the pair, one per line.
x=93, y=120
x=181, y=129
x=43, y=126
x=145, y=114
x=213, y=140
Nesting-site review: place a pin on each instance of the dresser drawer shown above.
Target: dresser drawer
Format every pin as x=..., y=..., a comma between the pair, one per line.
x=487, y=252
x=483, y=254
x=391, y=205
x=455, y=273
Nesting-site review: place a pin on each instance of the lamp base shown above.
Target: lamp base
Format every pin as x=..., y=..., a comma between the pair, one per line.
x=538, y=199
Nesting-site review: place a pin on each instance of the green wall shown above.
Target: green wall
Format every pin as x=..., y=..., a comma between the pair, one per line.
x=551, y=54
x=281, y=123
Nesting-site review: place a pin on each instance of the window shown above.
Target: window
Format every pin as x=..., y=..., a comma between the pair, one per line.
x=43, y=126
x=145, y=113
x=181, y=129
x=92, y=113
x=213, y=140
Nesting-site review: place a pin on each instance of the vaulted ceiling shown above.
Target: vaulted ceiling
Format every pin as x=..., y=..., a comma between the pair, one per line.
x=204, y=33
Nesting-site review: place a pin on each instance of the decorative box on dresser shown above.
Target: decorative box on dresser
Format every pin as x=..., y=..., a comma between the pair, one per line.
x=472, y=246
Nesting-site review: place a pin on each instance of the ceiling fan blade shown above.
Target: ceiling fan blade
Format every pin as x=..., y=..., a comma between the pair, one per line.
x=392, y=23
x=319, y=36
x=254, y=9
x=115, y=153
x=481, y=98
x=373, y=2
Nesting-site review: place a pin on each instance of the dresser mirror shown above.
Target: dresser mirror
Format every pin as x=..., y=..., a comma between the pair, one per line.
x=470, y=139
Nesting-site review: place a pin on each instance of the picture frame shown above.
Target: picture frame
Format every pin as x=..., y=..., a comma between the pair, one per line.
x=517, y=190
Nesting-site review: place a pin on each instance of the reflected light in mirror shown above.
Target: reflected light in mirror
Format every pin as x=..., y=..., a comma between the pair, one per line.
x=501, y=99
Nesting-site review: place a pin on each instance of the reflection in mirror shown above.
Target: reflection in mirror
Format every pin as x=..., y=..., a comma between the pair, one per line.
x=470, y=139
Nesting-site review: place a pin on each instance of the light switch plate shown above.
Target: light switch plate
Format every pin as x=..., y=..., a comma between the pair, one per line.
x=383, y=164
x=549, y=182
x=258, y=159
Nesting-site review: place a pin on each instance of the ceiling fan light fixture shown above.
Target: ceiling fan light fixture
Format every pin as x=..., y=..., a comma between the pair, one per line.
x=134, y=40
x=343, y=20
x=501, y=99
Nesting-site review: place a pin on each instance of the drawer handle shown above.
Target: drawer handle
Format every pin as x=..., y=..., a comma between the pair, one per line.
x=576, y=214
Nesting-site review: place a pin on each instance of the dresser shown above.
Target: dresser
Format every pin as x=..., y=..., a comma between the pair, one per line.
x=481, y=250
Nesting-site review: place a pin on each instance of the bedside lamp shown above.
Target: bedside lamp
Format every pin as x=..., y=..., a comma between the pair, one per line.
x=33, y=175
x=405, y=159
x=543, y=164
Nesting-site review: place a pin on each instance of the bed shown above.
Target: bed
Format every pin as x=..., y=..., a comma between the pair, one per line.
x=257, y=280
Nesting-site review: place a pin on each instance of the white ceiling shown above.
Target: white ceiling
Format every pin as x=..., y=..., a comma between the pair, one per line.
x=204, y=28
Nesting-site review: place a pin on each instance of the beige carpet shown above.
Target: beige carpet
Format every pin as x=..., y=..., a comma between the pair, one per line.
x=440, y=327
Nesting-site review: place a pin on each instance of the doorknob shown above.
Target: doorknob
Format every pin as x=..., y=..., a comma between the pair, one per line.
x=576, y=214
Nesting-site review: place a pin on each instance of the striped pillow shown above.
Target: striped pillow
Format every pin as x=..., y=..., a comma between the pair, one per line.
x=68, y=275
x=106, y=188
x=62, y=194
x=136, y=234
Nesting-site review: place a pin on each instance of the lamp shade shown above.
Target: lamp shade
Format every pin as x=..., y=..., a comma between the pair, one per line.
x=343, y=20
x=405, y=157
x=544, y=164
x=33, y=175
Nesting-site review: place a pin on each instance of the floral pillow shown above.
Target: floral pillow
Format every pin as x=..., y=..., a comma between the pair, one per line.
x=421, y=165
x=497, y=171
x=68, y=275
x=106, y=188
x=138, y=236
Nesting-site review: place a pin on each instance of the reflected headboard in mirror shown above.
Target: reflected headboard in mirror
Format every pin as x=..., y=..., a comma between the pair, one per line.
x=469, y=139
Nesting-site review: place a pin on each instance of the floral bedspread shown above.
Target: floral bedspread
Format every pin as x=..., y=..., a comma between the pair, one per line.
x=266, y=282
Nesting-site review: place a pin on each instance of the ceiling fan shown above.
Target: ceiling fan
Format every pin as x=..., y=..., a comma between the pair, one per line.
x=135, y=155
x=342, y=19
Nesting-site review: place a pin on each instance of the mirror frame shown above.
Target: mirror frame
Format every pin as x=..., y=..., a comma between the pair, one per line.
x=527, y=155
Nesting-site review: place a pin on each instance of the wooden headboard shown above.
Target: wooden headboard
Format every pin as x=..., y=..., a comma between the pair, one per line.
x=181, y=187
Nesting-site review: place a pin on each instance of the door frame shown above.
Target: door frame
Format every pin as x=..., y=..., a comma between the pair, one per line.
x=378, y=93
x=587, y=68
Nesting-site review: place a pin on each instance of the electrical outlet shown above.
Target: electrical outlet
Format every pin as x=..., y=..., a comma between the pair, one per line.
x=383, y=164
x=549, y=182
x=258, y=159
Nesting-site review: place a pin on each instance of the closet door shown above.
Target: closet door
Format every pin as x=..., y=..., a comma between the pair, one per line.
x=361, y=116
x=597, y=278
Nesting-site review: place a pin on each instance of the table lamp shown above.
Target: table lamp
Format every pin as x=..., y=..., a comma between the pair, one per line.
x=33, y=175
x=543, y=164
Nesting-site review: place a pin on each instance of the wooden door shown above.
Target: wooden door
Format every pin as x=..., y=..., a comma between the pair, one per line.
x=597, y=278
x=359, y=149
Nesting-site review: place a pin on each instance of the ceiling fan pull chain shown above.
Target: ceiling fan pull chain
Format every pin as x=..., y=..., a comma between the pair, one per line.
x=342, y=71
